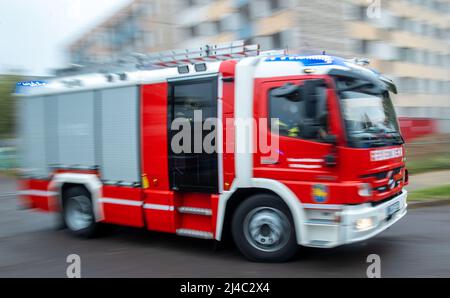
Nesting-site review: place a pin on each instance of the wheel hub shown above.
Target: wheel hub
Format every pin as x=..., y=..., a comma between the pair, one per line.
x=79, y=213
x=267, y=228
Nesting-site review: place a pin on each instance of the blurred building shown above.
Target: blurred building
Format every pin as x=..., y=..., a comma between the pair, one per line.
x=298, y=25
x=409, y=40
x=142, y=26
x=151, y=25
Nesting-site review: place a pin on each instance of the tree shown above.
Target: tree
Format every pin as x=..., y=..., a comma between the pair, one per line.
x=7, y=105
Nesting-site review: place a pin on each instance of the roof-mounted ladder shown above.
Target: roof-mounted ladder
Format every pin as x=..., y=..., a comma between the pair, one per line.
x=206, y=53
x=171, y=58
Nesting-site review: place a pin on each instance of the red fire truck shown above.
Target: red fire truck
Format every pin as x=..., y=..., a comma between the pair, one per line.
x=97, y=146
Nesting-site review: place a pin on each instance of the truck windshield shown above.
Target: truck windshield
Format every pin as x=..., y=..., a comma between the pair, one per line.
x=369, y=116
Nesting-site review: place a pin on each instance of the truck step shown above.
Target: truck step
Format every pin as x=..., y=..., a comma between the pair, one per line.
x=195, y=210
x=195, y=233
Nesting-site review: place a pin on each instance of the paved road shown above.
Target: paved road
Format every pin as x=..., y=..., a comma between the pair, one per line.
x=417, y=246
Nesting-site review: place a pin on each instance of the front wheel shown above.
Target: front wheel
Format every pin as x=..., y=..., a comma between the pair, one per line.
x=263, y=229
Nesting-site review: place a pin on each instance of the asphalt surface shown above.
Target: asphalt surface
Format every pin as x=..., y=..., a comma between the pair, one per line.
x=31, y=246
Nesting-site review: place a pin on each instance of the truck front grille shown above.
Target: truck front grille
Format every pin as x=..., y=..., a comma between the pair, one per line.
x=382, y=175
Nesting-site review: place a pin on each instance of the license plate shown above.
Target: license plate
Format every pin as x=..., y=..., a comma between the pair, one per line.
x=393, y=208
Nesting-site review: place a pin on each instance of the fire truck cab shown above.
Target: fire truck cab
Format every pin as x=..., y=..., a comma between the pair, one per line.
x=306, y=150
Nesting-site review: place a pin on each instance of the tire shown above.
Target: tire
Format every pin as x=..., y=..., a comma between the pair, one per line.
x=263, y=229
x=78, y=213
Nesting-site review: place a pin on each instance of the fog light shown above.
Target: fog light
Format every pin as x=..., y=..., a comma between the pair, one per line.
x=365, y=190
x=364, y=223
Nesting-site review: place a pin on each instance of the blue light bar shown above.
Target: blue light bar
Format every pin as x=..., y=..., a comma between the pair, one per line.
x=313, y=60
x=20, y=86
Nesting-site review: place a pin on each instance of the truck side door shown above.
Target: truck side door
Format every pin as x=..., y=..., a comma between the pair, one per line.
x=299, y=118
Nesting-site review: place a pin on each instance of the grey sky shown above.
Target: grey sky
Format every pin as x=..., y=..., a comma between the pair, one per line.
x=33, y=33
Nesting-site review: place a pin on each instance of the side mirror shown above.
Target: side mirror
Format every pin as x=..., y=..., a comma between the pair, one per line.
x=309, y=93
x=390, y=85
x=331, y=158
x=287, y=90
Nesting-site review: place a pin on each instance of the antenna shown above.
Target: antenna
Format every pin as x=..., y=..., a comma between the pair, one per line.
x=360, y=61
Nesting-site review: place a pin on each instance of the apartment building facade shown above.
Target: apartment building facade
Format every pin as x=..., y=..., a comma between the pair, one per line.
x=151, y=25
x=141, y=26
x=298, y=25
x=408, y=40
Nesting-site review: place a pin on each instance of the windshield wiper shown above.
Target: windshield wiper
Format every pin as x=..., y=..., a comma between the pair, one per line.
x=367, y=138
x=370, y=137
x=398, y=137
x=359, y=143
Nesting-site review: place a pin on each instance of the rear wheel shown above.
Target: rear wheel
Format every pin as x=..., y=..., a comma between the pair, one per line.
x=78, y=213
x=263, y=229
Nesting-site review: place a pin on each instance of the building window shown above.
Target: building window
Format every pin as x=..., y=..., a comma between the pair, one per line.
x=192, y=31
x=362, y=46
x=150, y=39
x=277, y=40
x=275, y=5
x=362, y=13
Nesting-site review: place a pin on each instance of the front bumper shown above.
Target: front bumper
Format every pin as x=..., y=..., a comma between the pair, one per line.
x=328, y=233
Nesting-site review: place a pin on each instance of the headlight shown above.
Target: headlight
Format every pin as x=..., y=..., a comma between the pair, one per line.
x=362, y=224
x=365, y=190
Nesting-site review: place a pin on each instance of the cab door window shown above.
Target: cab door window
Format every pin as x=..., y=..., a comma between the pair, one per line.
x=300, y=110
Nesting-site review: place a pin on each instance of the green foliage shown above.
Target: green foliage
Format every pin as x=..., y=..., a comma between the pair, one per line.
x=432, y=162
x=7, y=105
x=439, y=192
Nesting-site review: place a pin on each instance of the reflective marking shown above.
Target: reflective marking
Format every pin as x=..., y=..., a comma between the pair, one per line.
x=159, y=207
x=195, y=233
x=120, y=201
x=305, y=160
x=323, y=207
x=304, y=166
x=195, y=210
x=37, y=193
x=8, y=194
